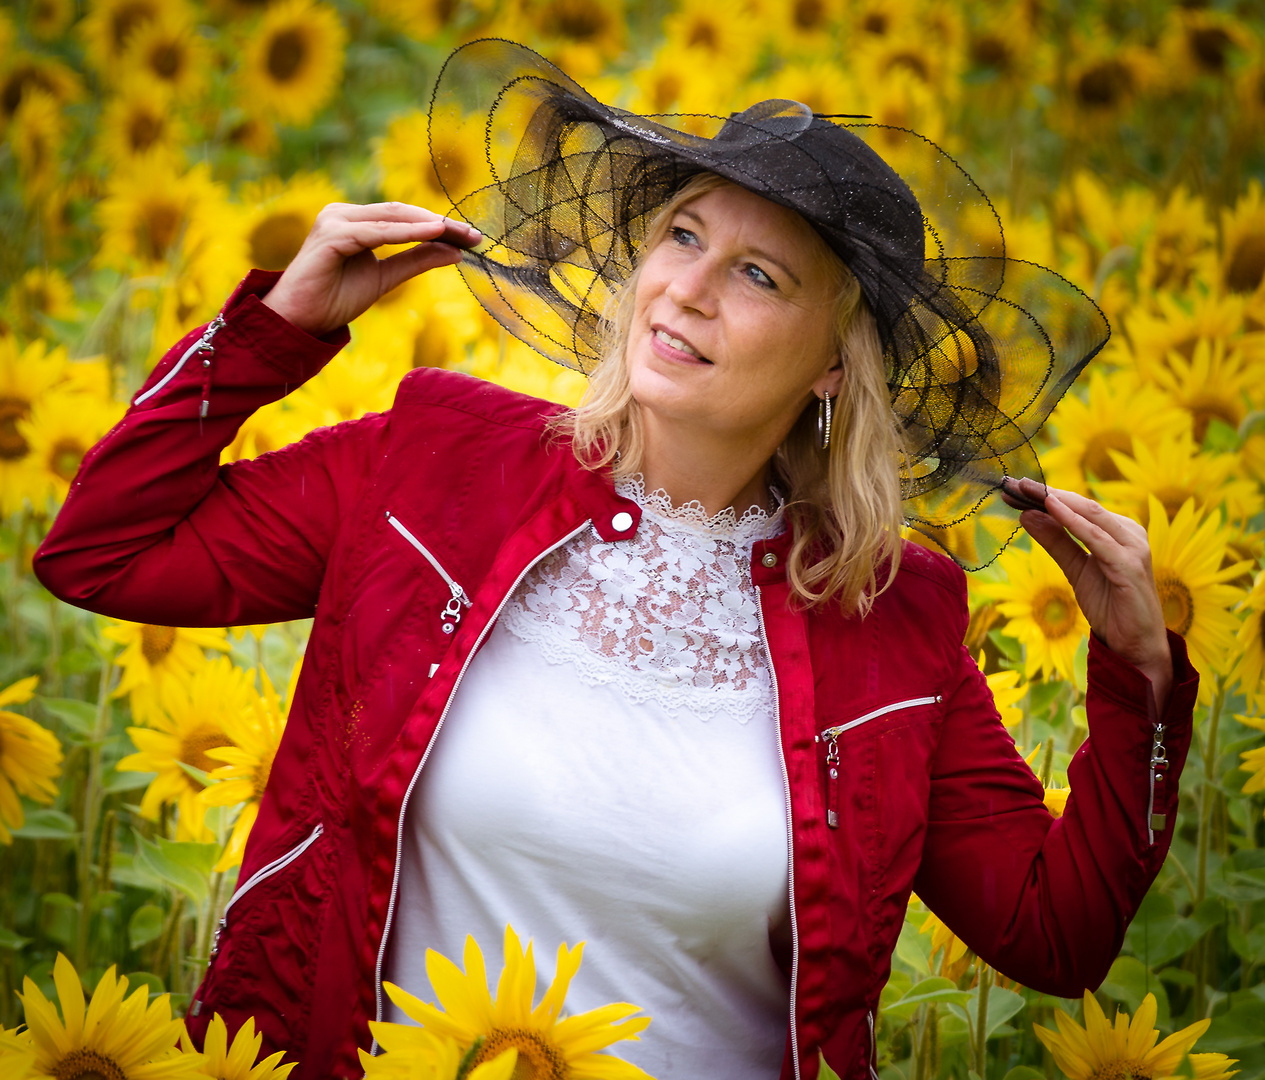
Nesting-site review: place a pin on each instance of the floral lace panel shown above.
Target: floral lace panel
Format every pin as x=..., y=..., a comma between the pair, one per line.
x=669, y=616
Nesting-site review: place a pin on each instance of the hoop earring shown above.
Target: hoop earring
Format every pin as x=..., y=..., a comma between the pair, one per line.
x=824, y=418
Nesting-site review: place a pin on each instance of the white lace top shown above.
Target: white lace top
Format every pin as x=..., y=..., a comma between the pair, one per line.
x=609, y=772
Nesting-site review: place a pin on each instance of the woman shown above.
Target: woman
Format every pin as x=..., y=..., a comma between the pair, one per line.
x=560, y=675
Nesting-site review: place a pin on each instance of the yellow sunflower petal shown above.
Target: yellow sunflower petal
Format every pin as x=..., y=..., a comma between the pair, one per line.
x=550, y=1007
x=70, y=992
x=500, y=1067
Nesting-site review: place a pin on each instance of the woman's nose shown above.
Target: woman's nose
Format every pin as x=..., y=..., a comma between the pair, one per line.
x=694, y=286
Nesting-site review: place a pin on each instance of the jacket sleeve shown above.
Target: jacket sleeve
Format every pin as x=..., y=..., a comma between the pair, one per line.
x=155, y=530
x=1047, y=901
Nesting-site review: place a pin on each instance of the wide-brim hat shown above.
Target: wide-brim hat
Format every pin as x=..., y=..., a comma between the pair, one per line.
x=978, y=346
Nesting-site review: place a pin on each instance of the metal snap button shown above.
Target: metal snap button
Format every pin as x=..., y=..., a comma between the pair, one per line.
x=622, y=521
x=769, y=559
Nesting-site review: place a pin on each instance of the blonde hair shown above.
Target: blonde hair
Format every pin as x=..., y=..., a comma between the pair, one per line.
x=843, y=507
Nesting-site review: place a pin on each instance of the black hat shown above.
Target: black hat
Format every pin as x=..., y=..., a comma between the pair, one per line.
x=978, y=347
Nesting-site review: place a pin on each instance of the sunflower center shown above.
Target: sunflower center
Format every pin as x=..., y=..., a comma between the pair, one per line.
x=157, y=230
x=703, y=35
x=12, y=445
x=431, y=344
x=166, y=60
x=17, y=82
x=538, y=1059
x=1247, y=264
x=1054, y=612
x=1209, y=45
x=287, y=54
x=87, y=1065
x=991, y=51
x=1119, y=1070
x=143, y=130
x=1097, y=460
x=64, y=458
x=1205, y=410
x=876, y=22
x=157, y=642
x=1171, y=499
x=577, y=20
x=195, y=745
x=911, y=62
x=127, y=17
x=1103, y=85
x=809, y=14
x=277, y=239
x=1176, y=603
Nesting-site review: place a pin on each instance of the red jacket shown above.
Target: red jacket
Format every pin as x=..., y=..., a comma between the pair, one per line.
x=930, y=793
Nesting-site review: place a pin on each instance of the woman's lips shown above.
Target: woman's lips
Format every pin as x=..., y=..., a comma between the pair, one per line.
x=672, y=346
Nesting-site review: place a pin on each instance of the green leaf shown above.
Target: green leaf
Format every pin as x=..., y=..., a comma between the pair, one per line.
x=934, y=989
x=198, y=774
x=1158, y=935
x=11, y=940
x=45, y=824
x=1129, y=982
x=824, y=1071
x=79, y=716
x=116, y=782
x=183, y=865
x=1002, y=1005
x=77, y=661
x=59, y=917
x=1237, y=1029
x=145, y=925
x=912, y=947
x=1024, y=1072
x=125, y=870
x=146, y=978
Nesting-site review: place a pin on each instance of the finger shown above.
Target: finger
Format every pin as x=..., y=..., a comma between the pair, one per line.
x=1123, y=530
x=1018, y=497
x=353, y=237
x=456, y=232
x=399, y=268
x=1064, y=550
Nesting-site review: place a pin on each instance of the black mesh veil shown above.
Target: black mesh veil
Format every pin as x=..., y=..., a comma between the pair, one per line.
x=979, y=347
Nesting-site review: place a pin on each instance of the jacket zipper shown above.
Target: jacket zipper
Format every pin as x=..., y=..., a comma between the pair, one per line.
x=260, y=875
x=1158, y=770
x=451, y=615
x=869, y=1016
x=831, y=738
x=399, y=833
x=790, y=841
x=203, y=344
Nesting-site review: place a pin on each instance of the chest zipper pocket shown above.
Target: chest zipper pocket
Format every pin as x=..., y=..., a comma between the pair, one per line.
x=450, y=616
x=258, y=877
x=831, y=738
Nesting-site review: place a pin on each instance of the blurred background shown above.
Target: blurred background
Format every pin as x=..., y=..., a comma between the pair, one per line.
x=151, y=151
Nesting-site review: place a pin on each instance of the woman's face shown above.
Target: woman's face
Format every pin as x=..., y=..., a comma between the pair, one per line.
x=733, y=319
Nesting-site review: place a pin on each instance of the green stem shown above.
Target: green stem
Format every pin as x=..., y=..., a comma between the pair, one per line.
x=1206, y=792
x=91, y=809
x=207, y=930
x=981, y=1021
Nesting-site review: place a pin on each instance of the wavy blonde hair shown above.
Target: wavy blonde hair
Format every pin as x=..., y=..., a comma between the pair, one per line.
x=844, y=506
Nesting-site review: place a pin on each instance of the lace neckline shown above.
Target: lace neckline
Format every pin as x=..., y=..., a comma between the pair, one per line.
x=756, y=523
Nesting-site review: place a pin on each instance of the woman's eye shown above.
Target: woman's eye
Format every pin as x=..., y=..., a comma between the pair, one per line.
x=683, y=236
x=759, y=277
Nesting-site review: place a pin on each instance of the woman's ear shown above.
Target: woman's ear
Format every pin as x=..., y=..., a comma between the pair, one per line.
x=831, y=382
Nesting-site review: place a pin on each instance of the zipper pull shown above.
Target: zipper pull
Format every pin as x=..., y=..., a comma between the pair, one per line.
x=451, y=615
x=832, y=778
x=215, y=941
x=206, y=349
x=1159, y=769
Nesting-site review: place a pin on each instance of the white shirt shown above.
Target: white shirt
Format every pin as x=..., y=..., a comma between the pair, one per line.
x=609, y=772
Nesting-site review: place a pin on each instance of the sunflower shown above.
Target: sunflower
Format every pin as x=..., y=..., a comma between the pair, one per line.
x=806, y=26
x=548, y=1048
x=263, y=431
x=1214, y=384
x=139, y=122
x=47, y=19
x=155, y=214
x=278, y=216
x=820, y=84
x=584, y=35
x=1007, y=687
x=911, y=52
x=901, y=99
x=1055, y=799
x=41, y=293
x=30, y=758
x=254, y=736
x=64, y=426
x=1181, y=247
x=423, y=1055
x=170, y=52
x=25, y=375
x=293, y=61
x=404, y=157
x=704, y=32
x=1003, y=44
x=1177, y=470
x=1252, y=762
x=350, y=385
x=194, y=718
x=1249, y=664
x=1191, y=574
x=109, y=25
x=17, y=1054
x=512, y=364
x=1103, y=83
x=422, y=19
x=23, y=72
x=1042, y=609
x=111, y=1037
x=1101, y=1050
x=1243, y=243
x=676, y=81
x=238, y=1060
x=1116, y=410
x=1178, y=326
x=1201, y=44
x=35, y=135
x=152, y=656
x=955, y=957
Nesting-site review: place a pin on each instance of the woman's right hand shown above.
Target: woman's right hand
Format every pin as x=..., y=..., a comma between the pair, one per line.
x=336, y=276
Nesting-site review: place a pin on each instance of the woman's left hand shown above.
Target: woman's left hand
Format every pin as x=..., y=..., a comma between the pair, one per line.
x=1112, y=580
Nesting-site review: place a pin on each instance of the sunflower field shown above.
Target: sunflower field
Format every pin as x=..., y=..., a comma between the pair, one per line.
x=152, y=151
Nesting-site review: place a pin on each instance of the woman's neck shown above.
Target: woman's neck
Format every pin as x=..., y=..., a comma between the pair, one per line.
x=698, y=468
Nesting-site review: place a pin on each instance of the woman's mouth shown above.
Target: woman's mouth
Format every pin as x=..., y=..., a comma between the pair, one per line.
x=672, y=347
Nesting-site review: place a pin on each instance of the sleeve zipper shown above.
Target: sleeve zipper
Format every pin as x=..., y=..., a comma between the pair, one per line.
x=1158, y=769
x=203, y=345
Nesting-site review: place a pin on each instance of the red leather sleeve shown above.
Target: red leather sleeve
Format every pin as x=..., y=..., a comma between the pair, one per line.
x=155, y=530
x=1048, y=901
